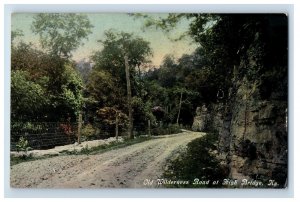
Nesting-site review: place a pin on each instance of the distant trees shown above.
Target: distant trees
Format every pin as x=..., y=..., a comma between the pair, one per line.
x=168, y=88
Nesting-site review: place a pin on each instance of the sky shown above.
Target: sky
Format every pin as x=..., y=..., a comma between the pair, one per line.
x=159, y=41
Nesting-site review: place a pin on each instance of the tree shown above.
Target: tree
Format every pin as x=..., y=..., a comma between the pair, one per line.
x=129, y=97
x=112, y=117
x=102, y=90
x=111, y=58
x=184, y=98
x=71, y=99
x=15, y=34
x=167, y=76
x=226, y=40
x=27, y=97
x=43, y=87
x=123, y=51
x=61, y=33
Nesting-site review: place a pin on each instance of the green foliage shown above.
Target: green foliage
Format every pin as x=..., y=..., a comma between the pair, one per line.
x=27, y=97
x=233, y=46
x=111, y=60
x=166, y=130
x=61, y=33
x=111, y=57
x=43, y=87
x=71, y=94
x=85, y=150
x=106, y=147
x=136, y=48
x=156, y=93
x=108, y=116
x=37, y=63
x=15, y=34
x=197, y=162
x=88, y=131
x=244, y=42
x=168, y=75
x=148, y=111
x=107, y=87
x=166, y=24
x=141, y=112
x=23, y=145
x=165, y=91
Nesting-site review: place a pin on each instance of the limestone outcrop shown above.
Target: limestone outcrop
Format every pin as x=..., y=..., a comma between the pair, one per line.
x=201, y=119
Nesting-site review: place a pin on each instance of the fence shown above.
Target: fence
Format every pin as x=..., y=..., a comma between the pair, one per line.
x=43, y=135
x=46, y=135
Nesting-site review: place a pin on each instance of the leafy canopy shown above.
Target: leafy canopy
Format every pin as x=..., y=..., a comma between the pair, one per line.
x=61, y=33
x=116, y=44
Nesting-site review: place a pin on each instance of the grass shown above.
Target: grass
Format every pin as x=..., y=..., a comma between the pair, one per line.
x=106, y=147
x=16, y=160
x=84, y=151
x=196, y=165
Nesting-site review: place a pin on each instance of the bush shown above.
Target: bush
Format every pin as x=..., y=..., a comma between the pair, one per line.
x=23, y=145
x=88, y=131
x=165, y=130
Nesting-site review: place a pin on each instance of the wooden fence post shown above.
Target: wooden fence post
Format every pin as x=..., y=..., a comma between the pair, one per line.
x=149, y=127
x=79, y=127
x=117, y=127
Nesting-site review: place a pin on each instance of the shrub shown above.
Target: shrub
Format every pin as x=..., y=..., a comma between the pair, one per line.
x=22, y=145
x=88, y=131
x=165, y=130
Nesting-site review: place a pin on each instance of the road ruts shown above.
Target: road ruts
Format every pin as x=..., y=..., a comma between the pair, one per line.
x=125, y=167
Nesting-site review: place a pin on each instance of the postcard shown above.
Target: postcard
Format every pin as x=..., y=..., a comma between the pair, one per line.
x=149, y=100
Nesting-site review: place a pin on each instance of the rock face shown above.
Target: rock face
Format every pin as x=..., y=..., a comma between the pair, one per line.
x=253, y=134
x=253, y=138
x=252, y=127
x=201, y=119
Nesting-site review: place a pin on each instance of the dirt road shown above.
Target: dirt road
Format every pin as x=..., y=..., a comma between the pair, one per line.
x=130, y=167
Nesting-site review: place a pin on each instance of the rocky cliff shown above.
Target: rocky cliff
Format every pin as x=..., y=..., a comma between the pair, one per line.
x=253, y=134
x=201, y=119
x=252, y=119
x=253, y=137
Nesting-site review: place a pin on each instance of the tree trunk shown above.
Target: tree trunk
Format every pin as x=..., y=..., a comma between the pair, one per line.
x=130, y=127
x=178, y=115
